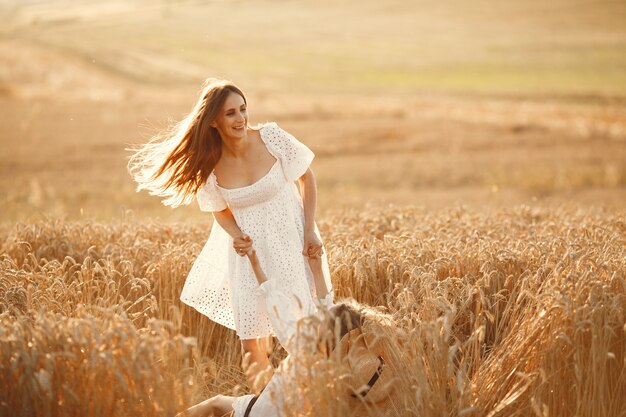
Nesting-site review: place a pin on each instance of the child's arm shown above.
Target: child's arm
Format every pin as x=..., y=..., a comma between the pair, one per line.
x=315, y=263
x=256, y=267
x=283, y=307
x=324, y=296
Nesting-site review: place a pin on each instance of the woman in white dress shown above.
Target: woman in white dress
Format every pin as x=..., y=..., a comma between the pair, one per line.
x=246, y=177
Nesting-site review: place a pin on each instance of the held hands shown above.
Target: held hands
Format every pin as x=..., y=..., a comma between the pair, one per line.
x=313, y=248
x=242, y=244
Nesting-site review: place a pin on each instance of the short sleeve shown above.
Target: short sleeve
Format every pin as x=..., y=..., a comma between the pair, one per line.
x=209, y=197
x=295, y=157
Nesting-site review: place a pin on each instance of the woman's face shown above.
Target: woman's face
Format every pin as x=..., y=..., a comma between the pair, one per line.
x=232, y=119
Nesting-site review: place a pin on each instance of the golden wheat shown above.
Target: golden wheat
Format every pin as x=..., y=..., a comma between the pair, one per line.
x=516, y=312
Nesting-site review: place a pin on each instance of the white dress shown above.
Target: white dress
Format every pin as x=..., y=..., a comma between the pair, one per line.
x=221, y=284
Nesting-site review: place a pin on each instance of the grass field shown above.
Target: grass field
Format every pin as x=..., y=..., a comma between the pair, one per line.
x=471, y=168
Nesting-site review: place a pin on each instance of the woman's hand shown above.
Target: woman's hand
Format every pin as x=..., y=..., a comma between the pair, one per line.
x=242, y=244
x=312, y=245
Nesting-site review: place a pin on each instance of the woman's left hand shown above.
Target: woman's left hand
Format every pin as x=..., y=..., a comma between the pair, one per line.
x=313, y=247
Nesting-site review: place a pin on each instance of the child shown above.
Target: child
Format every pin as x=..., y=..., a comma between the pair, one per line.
x=342, y=322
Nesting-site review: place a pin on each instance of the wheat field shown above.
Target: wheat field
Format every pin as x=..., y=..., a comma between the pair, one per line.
x=514, y=313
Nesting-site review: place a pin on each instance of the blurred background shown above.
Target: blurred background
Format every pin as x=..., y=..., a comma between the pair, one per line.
x=434, y=104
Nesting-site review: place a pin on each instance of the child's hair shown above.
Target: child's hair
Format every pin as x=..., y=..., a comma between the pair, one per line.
x=353, y=314
x=347, y=317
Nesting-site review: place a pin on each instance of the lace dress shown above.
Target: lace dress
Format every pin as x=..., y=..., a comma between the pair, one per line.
x=221, y=284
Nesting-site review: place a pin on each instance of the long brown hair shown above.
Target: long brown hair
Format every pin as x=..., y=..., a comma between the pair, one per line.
x=176, y=163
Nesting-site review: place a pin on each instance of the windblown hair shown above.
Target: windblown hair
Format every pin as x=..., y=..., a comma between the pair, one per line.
x=176, y=163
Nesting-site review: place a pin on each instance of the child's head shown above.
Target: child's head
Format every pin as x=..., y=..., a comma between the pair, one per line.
x=356, y=335
x=339, y=320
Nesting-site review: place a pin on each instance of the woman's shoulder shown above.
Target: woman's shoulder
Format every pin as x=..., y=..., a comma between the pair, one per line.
x=270, y=133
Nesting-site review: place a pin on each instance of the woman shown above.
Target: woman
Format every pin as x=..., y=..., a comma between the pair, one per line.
x=246, y=177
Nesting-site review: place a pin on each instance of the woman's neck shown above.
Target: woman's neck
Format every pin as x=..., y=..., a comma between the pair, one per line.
x=236, y=147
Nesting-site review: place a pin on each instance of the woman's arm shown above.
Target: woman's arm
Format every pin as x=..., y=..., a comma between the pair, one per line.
x=308, y=190
x=241, y=242
x=312, y=244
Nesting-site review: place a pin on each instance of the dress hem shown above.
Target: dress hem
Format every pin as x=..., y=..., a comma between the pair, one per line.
x=198, y=309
